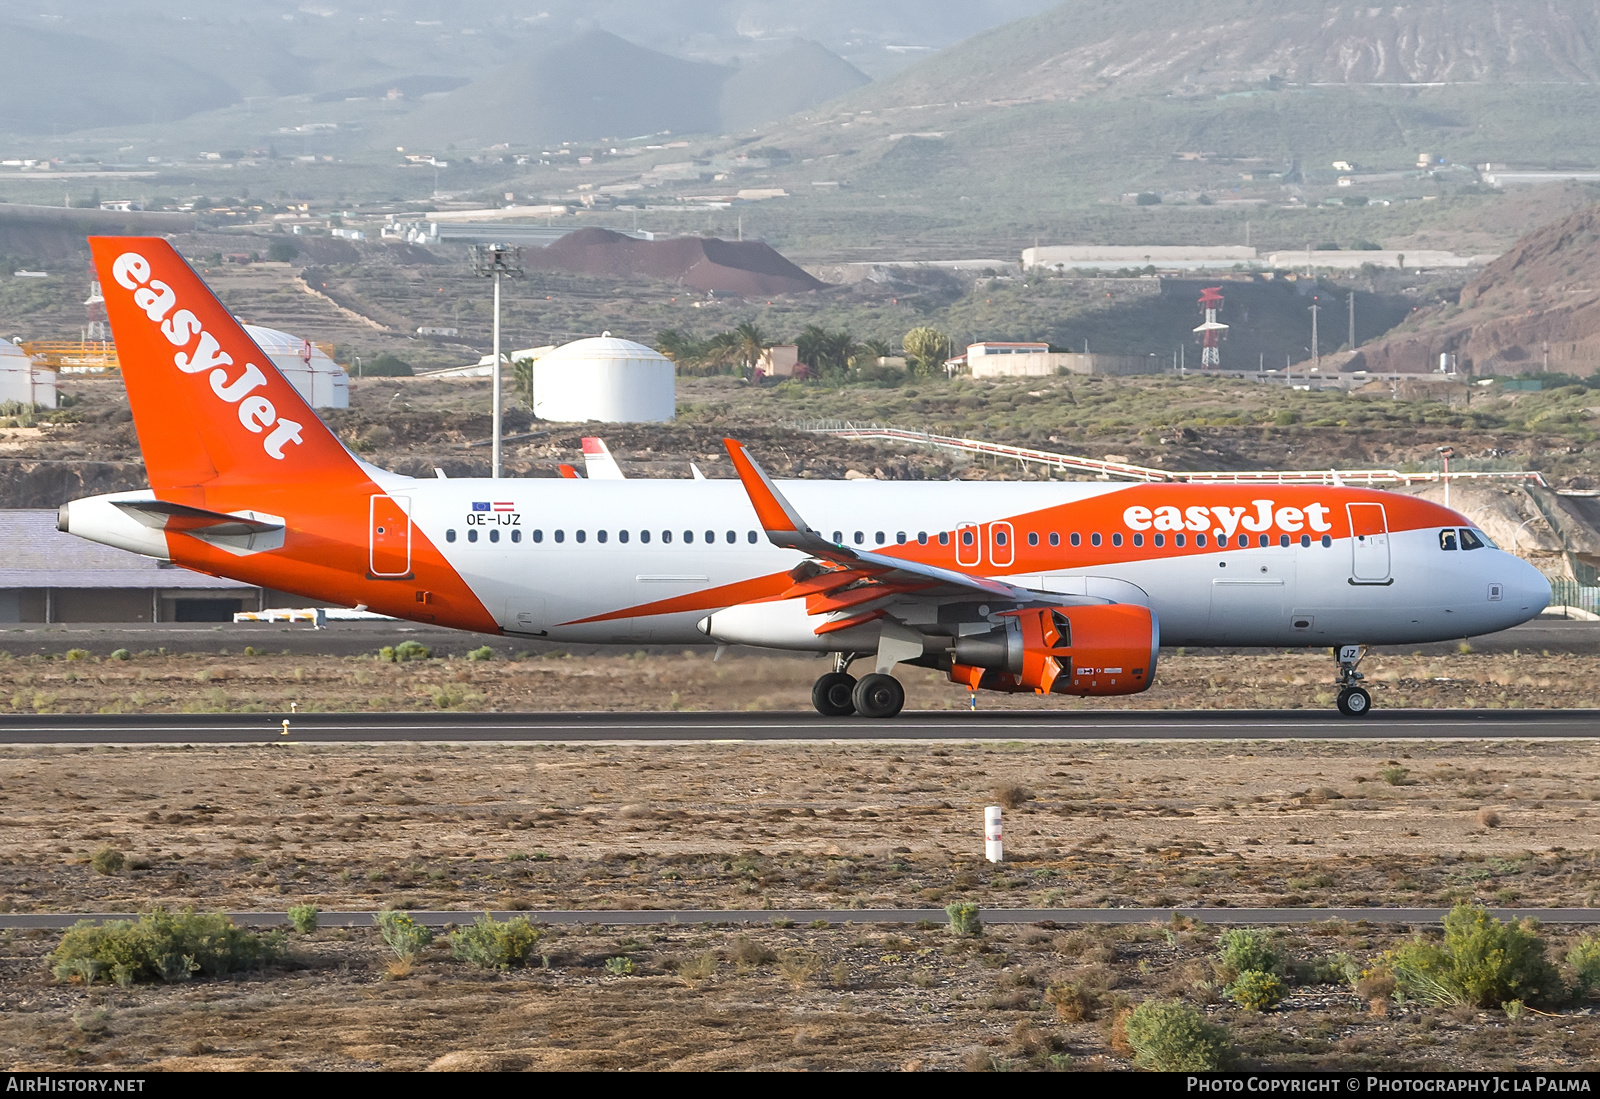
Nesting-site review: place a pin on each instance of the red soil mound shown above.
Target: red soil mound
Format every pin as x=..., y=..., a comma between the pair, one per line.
x=746, y=268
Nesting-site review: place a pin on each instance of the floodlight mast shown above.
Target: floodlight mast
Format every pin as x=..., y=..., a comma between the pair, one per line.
x=493, y=261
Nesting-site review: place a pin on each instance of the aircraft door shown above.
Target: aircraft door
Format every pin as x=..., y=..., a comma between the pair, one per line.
x=1002, y=545
x=389, y=536
x=1369, y=543
x=969, y=544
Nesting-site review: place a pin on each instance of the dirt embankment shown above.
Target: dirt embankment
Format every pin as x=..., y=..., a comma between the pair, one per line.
x=1535, y=308
x=745, y=268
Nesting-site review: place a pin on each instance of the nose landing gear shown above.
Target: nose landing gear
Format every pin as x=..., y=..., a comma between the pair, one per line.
x=1354, y=701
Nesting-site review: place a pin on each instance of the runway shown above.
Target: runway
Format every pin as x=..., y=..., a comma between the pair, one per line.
x=615, y=728
x=648, y=917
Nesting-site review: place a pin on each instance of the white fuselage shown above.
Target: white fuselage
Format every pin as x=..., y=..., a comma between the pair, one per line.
x=584, y=549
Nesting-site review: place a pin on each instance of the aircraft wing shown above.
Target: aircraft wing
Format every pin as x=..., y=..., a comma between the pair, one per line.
x=847, y=577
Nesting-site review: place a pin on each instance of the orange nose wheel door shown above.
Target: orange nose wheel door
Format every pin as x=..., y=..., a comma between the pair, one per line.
x=389, y=530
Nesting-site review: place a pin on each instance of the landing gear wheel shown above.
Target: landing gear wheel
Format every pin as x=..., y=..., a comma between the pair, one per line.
x=831, y=694
x=1355, y=702
x=878, y=696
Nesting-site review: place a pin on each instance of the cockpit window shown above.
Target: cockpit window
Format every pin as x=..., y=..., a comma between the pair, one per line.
x=1447, y=539
x=1470, y=539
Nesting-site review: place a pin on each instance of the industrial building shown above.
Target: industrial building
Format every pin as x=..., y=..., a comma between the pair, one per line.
x=1115, y=257
x=606, y=379
x=48, y=576
x=1034, y=360
x=310, y=369
x=23, y=381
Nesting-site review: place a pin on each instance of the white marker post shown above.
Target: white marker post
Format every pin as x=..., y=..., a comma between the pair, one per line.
x=993, y=845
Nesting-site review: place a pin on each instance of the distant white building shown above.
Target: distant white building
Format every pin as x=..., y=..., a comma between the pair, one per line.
x=779, y=361
x=1036, y=360
x=1116, y=257
x=317, y=378
x=22, y=380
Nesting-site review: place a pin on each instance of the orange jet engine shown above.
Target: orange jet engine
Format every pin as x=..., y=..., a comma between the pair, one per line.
x=1107, y=649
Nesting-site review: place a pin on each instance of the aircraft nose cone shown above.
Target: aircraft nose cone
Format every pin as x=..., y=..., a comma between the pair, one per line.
x=1531, y=589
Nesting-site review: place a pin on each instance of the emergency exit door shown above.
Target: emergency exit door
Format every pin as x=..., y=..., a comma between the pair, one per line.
x=1369, y=543
x=389, y=536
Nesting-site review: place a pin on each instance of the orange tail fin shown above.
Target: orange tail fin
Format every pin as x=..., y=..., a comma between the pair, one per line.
x=210, y=408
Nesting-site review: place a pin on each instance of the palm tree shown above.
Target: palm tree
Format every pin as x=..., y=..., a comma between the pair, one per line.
x=681, y=348
x=752, y=342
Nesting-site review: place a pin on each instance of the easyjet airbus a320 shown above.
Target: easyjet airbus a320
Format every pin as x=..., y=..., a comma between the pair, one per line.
x=1050, y=588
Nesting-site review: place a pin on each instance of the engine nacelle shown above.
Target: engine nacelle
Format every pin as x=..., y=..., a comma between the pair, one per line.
x=1106, y=649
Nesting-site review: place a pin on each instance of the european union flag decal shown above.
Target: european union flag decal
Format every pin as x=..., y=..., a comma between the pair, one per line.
x=480, y=505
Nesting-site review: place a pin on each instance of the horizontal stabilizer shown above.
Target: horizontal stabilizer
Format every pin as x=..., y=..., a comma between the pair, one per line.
x=183, y=519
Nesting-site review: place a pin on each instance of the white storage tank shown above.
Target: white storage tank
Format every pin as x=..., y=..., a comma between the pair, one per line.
x=23, y=381
x=606, y=379
x=320, y=380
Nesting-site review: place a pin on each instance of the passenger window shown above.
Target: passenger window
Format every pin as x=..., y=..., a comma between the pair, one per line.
x=711, y=537
x=688, y=536
x=900, y=538
x=494, y=536
x=1327, y=541
x=838, y=537
x=1244, y=541
x=944, y=538
x=750, y=536
x=538, y=535
x=1033, y=538
x=450, y=536
x=1265, y=541
x=1076, y=539
x=1200, y=540
x=1138, y=539
x=666, y=536
x=599, y=535
x=1305, y=541
x=922, y=537
x=966, y=538
x=1160, y=539
x=732, y=538
x=1116, y=539
x=622, y=536
x=561, y=536
x=1180, y=539
x=1447, y=539
x=1469, y=540
x=1283, y=541
x=581, y=535
x=999, y=537
x=472, y=534
x=1094, y=539
x=644, y=536
x=1055, y=539
x=516, y=535
x=879, y=538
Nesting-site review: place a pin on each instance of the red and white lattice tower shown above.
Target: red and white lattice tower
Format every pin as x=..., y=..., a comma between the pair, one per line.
x=1211, y=331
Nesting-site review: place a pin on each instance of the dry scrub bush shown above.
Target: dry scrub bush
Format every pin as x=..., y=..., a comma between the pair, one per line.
x=1488, y=817
x=1074, y=1001
x=1482, y=962
x=160, y=946
x=1255, y=990
x=1242, y=950
x=799, y=967
x=107, y=860
x=303, y=917
x=491, y=944
x=698, y=969
x=1172, y=1037
x=1012, y=795
x=1584, y=958
x=964, y=919
x=620, y=967
x=402, y=934
x=749, y=952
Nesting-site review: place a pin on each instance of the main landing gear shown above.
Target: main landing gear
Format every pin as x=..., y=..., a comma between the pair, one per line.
x=840, y=694
x=1354, y=701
